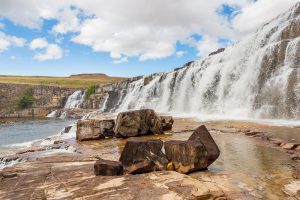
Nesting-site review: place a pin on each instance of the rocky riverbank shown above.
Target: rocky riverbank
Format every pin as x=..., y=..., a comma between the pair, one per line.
x=246, y=169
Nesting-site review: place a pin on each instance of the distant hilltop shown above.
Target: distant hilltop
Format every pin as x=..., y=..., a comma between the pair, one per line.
x=94, y=75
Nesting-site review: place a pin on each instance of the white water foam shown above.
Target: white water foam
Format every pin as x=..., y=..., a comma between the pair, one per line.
x=75, y=100
x=227, y=85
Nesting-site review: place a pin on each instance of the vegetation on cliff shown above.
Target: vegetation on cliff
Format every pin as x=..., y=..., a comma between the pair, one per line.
x=26, y=100
x=91, y=90
x=65, y=82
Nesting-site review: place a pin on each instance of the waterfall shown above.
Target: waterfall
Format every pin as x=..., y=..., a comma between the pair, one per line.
x=75, y=99
x=259, y=77
x=53, y=114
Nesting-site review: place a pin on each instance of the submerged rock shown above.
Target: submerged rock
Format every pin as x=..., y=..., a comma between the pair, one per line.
x=138, y=122
x=197, y=153
x=94, y=129
x=143, y=155
x=108, y=168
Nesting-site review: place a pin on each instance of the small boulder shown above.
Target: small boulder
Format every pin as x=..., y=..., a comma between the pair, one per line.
x=108, y=168
x=289, y=146
x=167, y=122
x=94, y=129
x=143, y=155
x=138, y=122
x=197, y=153
x=67, y=129
x=185, y=156
x=202, y=135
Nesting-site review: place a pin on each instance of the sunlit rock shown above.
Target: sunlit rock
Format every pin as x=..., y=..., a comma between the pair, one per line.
x=143, y=155
x=94, y=129
x=138, y=122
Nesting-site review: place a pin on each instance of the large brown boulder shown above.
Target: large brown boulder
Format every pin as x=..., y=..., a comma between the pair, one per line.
x=197, y=153
x=201, y=135
x=94, y=129
x=138, y=122
x=108, y=168
x=186, y=156
x=143, y=155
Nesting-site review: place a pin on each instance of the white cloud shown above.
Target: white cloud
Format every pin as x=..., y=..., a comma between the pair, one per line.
x=7, y=41
x=142, y=28
x=38, y=43
x=259, y=12
x=49, y=51
x=179, y=54
x=2, y=25
x=207, y=45
x=121, y=60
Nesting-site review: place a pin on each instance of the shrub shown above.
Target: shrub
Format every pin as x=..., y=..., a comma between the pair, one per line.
x=26, y=100
x=91, y=90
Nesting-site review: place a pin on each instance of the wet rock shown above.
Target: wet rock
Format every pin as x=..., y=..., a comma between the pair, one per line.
x=252, y=133
x=292, y=188
x=94, y=129
x=217, y=51
x=143, y=155
x=186, y=156
x=59, y=142
x=167, y=122
x=170, y=166
x=138, y=122
x=108, y=168
x=67, y=129
x=296, y=172
x=144, y=166
x=276, y=141
x=147, y=80
x=8, y=174
x=202, y=135
x=289, y=146
x=295, y=157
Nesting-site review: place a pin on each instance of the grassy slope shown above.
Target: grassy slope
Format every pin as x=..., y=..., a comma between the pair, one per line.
x=68, y=82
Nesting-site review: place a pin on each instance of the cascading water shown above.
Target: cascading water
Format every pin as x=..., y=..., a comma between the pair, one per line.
x=75, y=100
x=259, y=78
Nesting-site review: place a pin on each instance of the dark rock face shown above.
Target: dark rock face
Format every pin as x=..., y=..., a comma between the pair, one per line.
x=94, y=129
x=197, y=153
x=138, y=122
x=216, y=52
x=108, y=168
x=143, y=155
x=201, y=135
x=186, y=156
x=167, y=122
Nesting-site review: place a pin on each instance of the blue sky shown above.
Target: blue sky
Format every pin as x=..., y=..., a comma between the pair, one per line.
x=86, y=39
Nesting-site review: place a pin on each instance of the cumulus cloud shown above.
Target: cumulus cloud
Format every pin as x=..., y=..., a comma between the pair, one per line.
x=207, y=45
x=38, y=43
x=259, y=12
x=7, y=41
x=142, y=28
x=179, y=54
x=48, y=51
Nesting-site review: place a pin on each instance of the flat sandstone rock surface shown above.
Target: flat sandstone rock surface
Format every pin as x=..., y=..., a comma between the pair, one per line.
x=71, y=175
